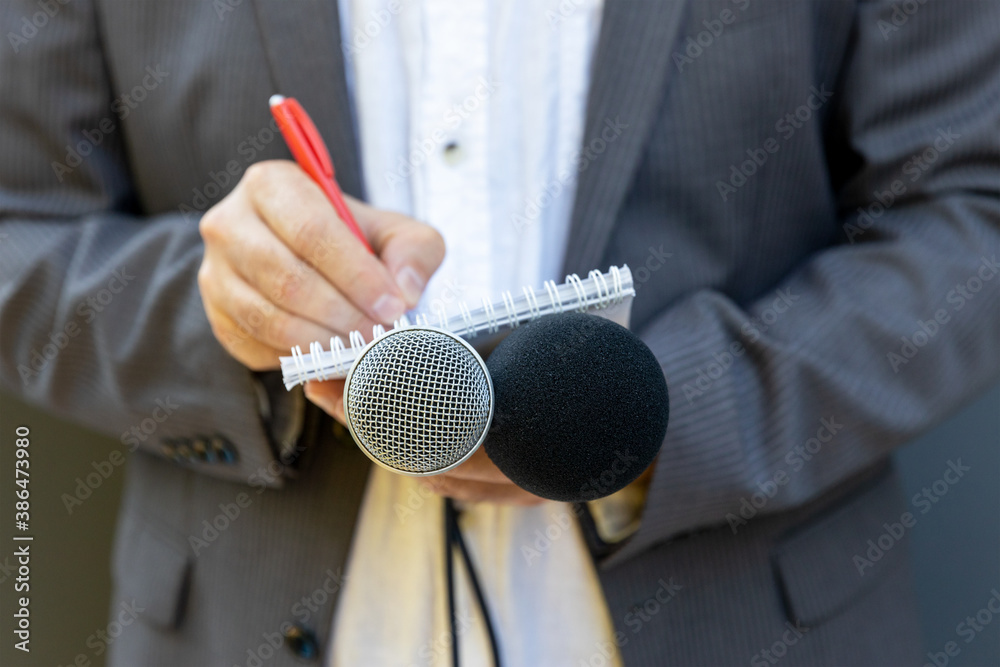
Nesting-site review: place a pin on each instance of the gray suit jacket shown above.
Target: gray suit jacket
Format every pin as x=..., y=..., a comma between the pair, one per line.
x=806, y=191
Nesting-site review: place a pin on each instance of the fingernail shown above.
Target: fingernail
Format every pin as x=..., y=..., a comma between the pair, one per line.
x=388, y=308
x=411, y=284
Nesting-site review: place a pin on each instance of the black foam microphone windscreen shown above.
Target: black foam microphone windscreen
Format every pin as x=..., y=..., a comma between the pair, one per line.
x=581, y=407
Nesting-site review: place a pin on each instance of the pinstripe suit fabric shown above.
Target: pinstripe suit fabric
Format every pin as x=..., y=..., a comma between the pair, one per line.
x=755, y=133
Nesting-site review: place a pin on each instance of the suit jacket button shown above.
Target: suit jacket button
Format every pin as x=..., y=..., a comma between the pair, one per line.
x=223, y=449
x=184, y=454
x=201, y=450
x=178, y=449
x=302, y=642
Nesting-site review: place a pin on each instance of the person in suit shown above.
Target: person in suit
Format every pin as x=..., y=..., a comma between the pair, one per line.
x=808, y=193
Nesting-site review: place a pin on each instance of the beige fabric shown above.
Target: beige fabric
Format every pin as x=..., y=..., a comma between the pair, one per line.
x=538, y=579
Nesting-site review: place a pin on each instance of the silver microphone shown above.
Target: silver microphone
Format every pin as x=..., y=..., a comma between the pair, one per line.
x=418, y=400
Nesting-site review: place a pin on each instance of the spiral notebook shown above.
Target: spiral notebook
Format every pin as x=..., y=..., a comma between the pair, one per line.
x=483, y=326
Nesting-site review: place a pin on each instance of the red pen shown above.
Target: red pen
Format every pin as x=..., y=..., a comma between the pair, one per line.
x=312, y=155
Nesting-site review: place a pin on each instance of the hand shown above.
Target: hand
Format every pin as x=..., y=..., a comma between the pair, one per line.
x=280, y=268
x=477, y=480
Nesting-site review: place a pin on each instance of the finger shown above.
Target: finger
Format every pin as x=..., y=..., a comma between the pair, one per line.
x=482, y=492
x=329, y=396
x=411, y=250
x=286, y=280
x=265, y=322
x=301, y=216
x=239, y=343
x=478, y=468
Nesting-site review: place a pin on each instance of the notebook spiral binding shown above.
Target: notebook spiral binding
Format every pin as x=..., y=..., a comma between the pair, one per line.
x=597, y=291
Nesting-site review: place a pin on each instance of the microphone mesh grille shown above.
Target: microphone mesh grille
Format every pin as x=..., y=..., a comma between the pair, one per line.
x=418, y=401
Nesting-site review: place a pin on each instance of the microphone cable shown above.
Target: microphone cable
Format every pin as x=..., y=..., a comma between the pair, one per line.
x=453, y=538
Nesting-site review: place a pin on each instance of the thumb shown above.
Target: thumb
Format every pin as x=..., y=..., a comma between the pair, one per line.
x=329, y=396
x=411, y=250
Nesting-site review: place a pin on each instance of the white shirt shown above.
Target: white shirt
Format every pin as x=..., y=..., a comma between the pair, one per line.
x=470, y=116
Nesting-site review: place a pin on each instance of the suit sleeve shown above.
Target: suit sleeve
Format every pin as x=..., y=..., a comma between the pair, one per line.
x=101, y=319
x=876, y=339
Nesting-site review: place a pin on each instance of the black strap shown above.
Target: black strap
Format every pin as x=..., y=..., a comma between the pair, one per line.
x=449, y=576
x=453, y=538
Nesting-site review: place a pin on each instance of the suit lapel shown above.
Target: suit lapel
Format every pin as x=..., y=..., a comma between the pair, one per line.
x=303, y=48
x=630, y=71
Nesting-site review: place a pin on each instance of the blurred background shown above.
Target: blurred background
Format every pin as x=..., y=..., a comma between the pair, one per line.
x=956, y=544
